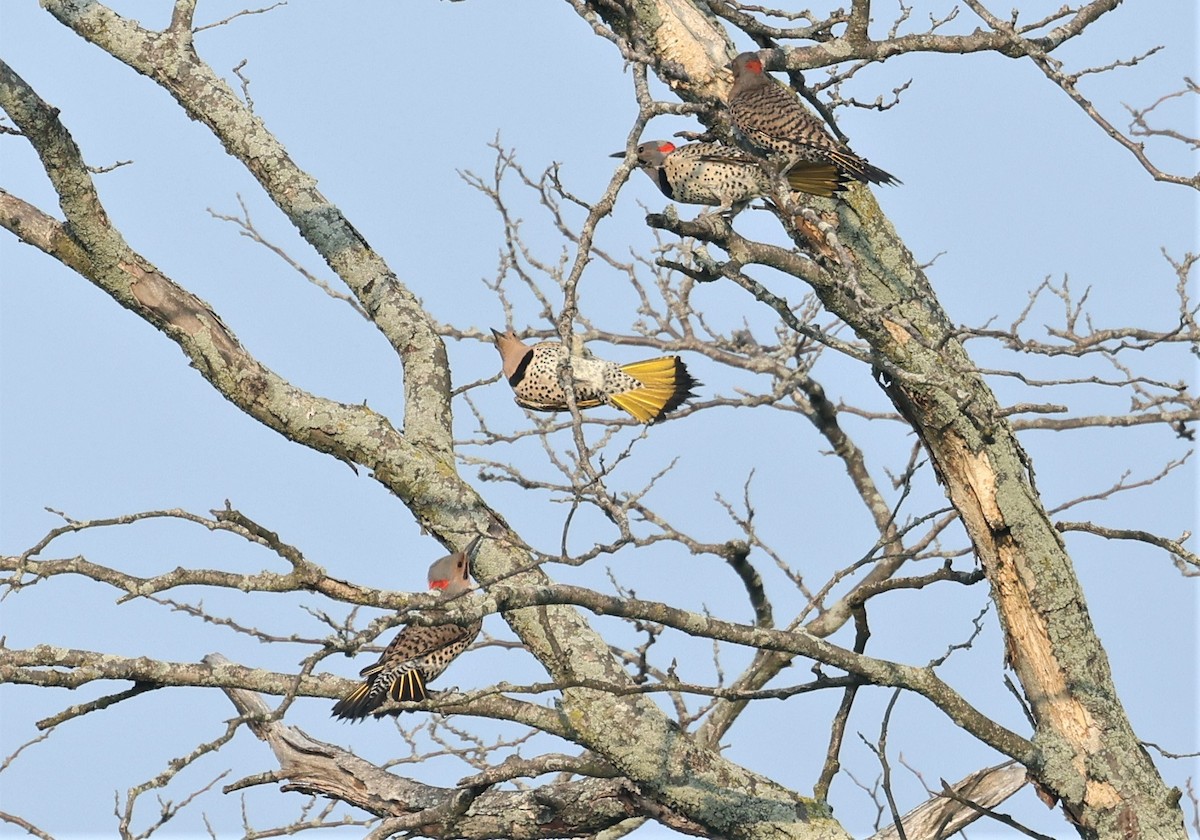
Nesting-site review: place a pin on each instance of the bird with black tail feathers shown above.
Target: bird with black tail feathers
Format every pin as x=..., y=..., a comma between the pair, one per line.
x=769, y=121
x=419, y=653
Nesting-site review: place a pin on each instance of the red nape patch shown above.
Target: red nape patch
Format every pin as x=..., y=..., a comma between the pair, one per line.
x=754, y=65
x=667, y=148
x=438, y=584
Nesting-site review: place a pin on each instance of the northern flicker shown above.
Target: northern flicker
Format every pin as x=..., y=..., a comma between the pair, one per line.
x=725, y=177
x=419, y=653
x=769, y=121
x=647, y=390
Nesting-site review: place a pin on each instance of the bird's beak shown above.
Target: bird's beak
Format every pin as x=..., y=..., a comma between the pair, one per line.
x=617, y=154
x=496, y=332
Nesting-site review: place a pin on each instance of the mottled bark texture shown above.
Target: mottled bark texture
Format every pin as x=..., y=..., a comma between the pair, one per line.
x=1084, y=751
x=1088, y=756
x=682, y=778
x=474, y=811
x=946, y=815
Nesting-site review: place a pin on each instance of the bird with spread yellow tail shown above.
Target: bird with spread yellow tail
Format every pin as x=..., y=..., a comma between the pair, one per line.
x=648, y=390
x=419, y=653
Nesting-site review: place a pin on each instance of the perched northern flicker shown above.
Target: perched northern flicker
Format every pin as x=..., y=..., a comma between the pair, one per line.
x=419, y=653
x=647, y=390
x=725, y=177
x=769, y=121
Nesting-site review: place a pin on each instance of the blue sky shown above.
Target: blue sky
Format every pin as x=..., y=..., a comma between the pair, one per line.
x=100, y=415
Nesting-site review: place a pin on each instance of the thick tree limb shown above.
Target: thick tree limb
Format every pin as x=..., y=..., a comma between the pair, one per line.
x=942, y=817
x=1086, y=752
x=933, y=383
x=564, y=809
x=170, y=59
x=875, y=671
x=56, y=667
x=1089, y=755
x=688, y=780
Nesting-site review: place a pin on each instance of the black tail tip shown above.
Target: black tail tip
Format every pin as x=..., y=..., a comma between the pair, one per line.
x=357, y=704
x=684, y=385
x=349, y=711
x=875, y=175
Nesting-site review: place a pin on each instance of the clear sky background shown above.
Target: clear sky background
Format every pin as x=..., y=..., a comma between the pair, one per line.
x=100, y=415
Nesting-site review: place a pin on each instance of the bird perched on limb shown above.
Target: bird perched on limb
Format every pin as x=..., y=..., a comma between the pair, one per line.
x=723, y=176
x=647, y=390
x=769, y=121
x=419, y=653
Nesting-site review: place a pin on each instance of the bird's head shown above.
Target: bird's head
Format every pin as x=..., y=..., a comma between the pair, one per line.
x=651, y=154
x=452, y=574
x=512, y=351
x=748, y=63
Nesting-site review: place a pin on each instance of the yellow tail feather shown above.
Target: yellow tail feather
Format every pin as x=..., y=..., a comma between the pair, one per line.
x=354, y=705
x=823, y=179
x=665, y=385
x=357, y=694
x=643, y=410
x=409, y=686
x=654, y=372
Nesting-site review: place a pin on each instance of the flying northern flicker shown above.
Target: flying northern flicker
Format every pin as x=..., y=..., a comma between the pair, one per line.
x=725, y=177
x=419, y=653
x=769, y=121
x=647, y=390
